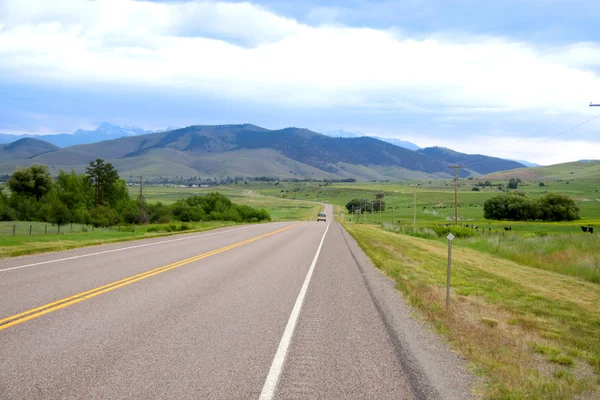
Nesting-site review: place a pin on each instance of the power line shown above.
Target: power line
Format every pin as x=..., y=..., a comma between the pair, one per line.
x=566, y=131
x=566, y=117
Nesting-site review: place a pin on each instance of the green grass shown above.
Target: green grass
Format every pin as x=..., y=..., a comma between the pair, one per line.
x=572, y=170
x=519, y=326
x=11, y=246
x=574, y=255
x=279, y=209
x=435, y=202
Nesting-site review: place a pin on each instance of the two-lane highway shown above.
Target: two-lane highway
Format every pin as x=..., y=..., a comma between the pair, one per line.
x=275, y=310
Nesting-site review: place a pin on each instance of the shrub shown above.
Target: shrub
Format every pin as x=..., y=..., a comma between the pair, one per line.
x=518, y=207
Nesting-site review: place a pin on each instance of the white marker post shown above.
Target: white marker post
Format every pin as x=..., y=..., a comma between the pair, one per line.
x=450, y=238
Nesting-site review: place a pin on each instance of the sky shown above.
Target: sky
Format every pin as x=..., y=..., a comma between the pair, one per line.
x=509, y=78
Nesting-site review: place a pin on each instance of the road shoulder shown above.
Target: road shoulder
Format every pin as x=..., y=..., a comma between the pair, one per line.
x=435, y=370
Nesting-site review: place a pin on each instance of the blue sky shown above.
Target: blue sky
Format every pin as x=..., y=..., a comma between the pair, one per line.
x=497, y=78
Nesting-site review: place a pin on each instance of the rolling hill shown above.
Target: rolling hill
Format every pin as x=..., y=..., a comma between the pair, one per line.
x=25, y=148
x=474, y=162
x=589, y=170
x=237, y=150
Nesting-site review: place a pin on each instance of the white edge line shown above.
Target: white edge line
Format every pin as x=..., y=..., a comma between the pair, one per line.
x=122, y=249
x=272, y=380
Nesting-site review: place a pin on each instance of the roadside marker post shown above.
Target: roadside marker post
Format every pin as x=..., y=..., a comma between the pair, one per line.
x=450, y=237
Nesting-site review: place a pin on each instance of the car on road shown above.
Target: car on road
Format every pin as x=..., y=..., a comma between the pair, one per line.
x=322, y=217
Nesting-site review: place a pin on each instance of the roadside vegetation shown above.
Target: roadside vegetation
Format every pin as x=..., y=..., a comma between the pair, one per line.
x=529, y=333
x=100, y=198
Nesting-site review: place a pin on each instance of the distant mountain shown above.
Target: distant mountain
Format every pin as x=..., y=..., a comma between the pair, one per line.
x=527, y=163
x=396, y=142
x=105, y=131
x=246, y=150
x=26, y=148
x=587, y=161
x=474, y=162
x=340, y=133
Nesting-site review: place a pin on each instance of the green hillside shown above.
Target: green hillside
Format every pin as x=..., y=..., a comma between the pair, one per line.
x=573, y=170
x=25, y=148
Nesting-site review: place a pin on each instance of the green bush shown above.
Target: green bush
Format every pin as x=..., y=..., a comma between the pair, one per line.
x=518, y=207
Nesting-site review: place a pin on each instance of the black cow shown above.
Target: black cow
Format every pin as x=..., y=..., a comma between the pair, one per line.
x=587, y=229
x=508, y=228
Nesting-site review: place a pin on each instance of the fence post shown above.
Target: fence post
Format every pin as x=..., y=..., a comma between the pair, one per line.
x=46, y=229
x=71, y=227
x=58, y=229
x=29, y=230
x=14, y=230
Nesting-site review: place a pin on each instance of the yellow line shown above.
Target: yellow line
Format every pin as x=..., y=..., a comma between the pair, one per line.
x=88, y=294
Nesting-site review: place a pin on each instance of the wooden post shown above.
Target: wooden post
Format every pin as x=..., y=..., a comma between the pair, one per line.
x=30, y=230
x=450, y=237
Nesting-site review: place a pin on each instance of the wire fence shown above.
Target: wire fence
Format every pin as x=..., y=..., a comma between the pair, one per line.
x=24, y=228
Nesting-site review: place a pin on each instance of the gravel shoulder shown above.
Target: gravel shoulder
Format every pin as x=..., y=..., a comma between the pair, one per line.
x=435, y=370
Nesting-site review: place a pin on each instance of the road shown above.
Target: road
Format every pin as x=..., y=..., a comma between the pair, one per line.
x=277, y=310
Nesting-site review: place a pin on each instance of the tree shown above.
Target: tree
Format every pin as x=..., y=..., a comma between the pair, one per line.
x=542, y=184
x=102, y=176
x=379, y=196
x=558, y=207
x=34, y=181
x=513, y=183
x=73, y=190
x=358, y=204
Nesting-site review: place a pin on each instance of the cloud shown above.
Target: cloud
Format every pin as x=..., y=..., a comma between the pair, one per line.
x=245, y=53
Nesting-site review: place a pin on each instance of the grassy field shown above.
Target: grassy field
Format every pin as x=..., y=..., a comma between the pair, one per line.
x=279, y=209
x=11, y=246
x=530, y=333
x=435, y=201
x=573, y=170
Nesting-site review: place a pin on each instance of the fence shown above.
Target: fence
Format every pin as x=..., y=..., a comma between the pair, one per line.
x=21, y=228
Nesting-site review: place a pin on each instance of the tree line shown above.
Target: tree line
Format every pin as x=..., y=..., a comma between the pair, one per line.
x=517, y=206
x=101, y=198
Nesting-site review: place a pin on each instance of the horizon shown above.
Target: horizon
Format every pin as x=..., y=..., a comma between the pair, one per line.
x=500, y=80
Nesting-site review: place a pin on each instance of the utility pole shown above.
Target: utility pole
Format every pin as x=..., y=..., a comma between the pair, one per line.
x=456, y=167
x=380, y=211
x=141, y=200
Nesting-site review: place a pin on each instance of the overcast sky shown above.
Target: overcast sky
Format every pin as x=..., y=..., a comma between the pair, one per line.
x=500, y=78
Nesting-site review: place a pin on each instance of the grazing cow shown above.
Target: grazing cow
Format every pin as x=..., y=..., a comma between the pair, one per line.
x=587, y=229
x=508, y=228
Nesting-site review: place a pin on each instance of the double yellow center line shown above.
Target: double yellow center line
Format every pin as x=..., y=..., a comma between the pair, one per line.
x=77, y=298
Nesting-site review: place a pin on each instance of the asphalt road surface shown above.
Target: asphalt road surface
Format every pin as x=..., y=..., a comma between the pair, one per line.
x=277, y=310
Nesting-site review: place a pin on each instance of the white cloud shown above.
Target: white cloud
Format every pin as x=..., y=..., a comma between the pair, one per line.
x=244, y=51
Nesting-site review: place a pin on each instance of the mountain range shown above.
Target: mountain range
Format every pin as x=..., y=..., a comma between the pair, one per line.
x=248, y=151
x=105, y=131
